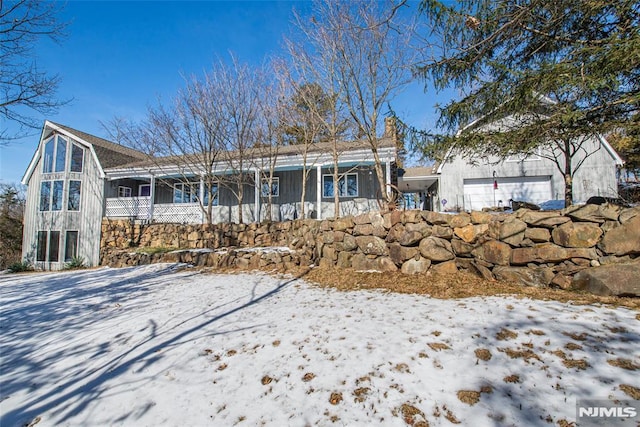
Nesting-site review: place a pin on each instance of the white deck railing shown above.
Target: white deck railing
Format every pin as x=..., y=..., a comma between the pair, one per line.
x=129, y=207
x=140, y=208
x=186, y=213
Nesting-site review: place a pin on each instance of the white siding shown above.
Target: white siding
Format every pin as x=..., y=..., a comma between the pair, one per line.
x=87, y=221
x=597, y=176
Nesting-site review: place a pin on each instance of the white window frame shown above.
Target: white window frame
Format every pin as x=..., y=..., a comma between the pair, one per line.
x=140, y=190
x=342, y=176
x=216, y=195
x=524, y=157
x=194, y=192
x=69, y=195
x=265, y=186
x=124, y=189
x=79, y=147
x=66, y=244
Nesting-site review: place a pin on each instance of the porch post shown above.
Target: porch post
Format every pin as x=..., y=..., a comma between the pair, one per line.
x=152, y=195
x=201, y=198
x=388, y=173
x=319, y=192
x=256, y=196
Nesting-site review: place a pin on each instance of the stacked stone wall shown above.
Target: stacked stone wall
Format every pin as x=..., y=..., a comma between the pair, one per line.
x=538, y=248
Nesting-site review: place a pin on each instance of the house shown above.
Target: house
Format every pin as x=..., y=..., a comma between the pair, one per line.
x=459, y=183
x=74, y=180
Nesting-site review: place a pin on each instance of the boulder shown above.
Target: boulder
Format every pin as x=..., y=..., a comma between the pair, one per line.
x=399, y=254
x=348, y=243
x=538, y=277
x=362, y=262
x=483, y=271
x=510, y=231
x=410, y=238
x=537, y=235
x=363, y=230
x=461, y=248
x=622, y=240
x=414, y=266
x=447, y=267
x=395, y=232
x=577, y=234
x=442, y=231
x=548, y=252
x=478, y=217
x=436, y=218
x=617, y=280
x=542, y=219
x=628, y=214
x=494, y=252
x=459, y=220
x=342, y=224
x=436, y=249
x=372, y=245
x=593, y=213
x=470, y=232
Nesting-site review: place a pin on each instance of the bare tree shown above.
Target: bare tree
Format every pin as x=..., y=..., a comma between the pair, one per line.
x=25, y=88
x=324, y=113
x=271, y=130
x=237, y=103
x=180, y=139
x=368, y=54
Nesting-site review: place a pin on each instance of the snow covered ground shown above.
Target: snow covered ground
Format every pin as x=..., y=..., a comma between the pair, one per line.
x=151, y=346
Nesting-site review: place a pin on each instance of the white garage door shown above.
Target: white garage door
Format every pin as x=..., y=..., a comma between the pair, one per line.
x=480, y=193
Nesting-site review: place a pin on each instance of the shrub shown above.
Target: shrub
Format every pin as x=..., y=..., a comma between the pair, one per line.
x=75, y=263
x=18, y=267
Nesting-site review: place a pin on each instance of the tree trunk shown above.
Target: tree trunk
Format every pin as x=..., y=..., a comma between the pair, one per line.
x=568, y=175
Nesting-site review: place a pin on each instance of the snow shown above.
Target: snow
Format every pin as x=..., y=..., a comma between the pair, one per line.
x=165, y=345
x=552, y=205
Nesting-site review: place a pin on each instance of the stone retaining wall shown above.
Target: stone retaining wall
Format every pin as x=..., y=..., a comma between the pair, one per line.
x=533, y=247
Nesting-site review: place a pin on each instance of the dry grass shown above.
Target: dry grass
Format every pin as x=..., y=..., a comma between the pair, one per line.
x=631, y=391
x=623, y=363
x=519, y=354
x=483, y=354
x=448, y=286
x=411, y=415
x=512, y=379
x=335, y=398
x=437, y=346
x=470, y=397
x=506, y=334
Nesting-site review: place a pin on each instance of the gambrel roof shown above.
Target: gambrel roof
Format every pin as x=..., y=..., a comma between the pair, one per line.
x=106, y=153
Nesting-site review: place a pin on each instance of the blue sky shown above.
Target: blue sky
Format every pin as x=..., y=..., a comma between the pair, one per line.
x=119, y=57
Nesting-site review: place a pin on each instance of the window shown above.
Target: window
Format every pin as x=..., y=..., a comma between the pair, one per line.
x=48, y=244
x=186, y=192
x=70, y=245
x=210, y=191
x=73, y=203
x=54, y=246
x=41, y=249
x=347, y=185
x=56, y=196
x=51, y=195
x=144, y=190
x=275, y=187
x=55, y=155
x=124, y=191
x=61, y=154
x=77, y=158
x=47, y=164
x=526, y=157
x=45, y=195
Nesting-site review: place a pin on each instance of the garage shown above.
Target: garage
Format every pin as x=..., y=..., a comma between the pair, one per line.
x=487, y=192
